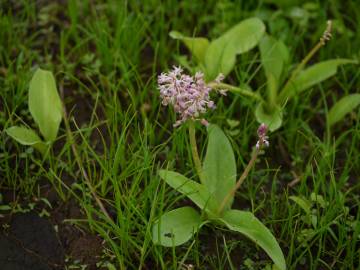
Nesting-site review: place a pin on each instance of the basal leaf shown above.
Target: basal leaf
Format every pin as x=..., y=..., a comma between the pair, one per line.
x=312, y=76
x=272, y=119
x=45, y=104
x=176, y=227
x=344, y=106
x=274, y=57
x=196, y=45
x=26, y=136
x=214, y=58
x=219, y=164
x=247, y=224
x=221, y=54
x=196, y=192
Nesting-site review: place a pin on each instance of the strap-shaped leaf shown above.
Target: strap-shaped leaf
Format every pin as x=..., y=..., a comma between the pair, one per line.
x=343, y=107
x=176, y=227
x=312, y=76
x=26, y=136
x=221, y=54
x=45, y=104
x=194, y=191
x=219, y=165
x=196, y=45
x=247, y=224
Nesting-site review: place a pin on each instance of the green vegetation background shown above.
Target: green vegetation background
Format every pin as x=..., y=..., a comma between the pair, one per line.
x=106, y=56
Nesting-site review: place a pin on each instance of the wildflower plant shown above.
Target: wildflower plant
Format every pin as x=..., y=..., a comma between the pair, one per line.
x=46, y=109
x=214, y=194
x=282, y=83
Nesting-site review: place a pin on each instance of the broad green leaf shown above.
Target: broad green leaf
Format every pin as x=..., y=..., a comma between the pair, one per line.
x=23, y=135
x=219, y=165
x=247, y=224
x=45, y=103
x=26, y=136
x=274, y=57
x=304, y=204
x=214, y=57
x=312, y=76
x=343, y=107
x=272, y=119
x=176, y=227
x=196, y=192
x=221, y=54
x=196, y=45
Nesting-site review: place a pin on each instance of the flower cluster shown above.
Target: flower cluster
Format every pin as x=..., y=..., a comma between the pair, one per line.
x=189, y=95
x=263, y=139
x=327, y=33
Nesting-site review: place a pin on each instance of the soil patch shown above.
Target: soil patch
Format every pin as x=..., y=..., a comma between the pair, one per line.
x=79, y=244
x=30, y=243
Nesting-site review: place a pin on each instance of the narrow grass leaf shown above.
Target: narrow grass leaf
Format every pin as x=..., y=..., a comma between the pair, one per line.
x=219, y=165
x=344, y=106
x=196, y=192
x=45, y=104
x=312, y=76
x=196, y=45
x=221, y=54
x=176, y=227
x=26, y=136
x=247, y=224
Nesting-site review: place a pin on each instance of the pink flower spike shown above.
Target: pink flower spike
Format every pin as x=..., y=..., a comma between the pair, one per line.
x=263, y=139
x=262, y=130
x=189, y=95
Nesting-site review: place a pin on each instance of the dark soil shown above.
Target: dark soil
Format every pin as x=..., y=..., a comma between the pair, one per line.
x=78, y=244
x=30, y=242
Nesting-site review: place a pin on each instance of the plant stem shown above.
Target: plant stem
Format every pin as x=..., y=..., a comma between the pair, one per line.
x=300, y=67
x=194, y=151
x=235, y=89
x=242, y=178
x=78, y=160
x=304, y=61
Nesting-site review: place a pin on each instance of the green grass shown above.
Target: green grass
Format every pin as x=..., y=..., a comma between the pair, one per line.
x=106, y=56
